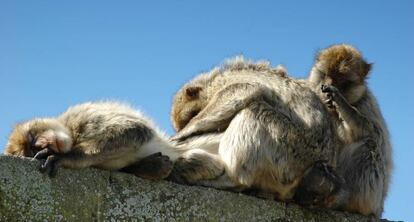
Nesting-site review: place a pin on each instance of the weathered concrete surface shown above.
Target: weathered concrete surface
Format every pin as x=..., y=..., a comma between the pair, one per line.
x=96, y=195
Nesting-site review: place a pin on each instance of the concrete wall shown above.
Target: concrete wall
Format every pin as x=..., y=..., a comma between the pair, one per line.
x=96, y=195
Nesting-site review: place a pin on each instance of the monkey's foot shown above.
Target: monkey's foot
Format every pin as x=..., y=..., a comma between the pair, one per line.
x=195, y=166
x=153, y=167
x=320, y=187
x=177, y=175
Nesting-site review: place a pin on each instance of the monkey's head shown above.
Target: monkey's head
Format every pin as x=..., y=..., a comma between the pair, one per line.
x=28, y=138
x=343, y=67
x=190, y=100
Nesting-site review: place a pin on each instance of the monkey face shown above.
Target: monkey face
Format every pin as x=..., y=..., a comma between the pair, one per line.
x=342, y=66
x=30, y=137
x=187, y=104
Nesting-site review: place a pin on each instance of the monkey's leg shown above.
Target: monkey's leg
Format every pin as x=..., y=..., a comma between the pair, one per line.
x=357, y=123
x=265, y=148
x=361, y=164
x=153, y=167
x=221, y=109
x=197, y=165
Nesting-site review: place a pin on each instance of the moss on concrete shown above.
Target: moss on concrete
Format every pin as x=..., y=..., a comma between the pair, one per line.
x=96, y=195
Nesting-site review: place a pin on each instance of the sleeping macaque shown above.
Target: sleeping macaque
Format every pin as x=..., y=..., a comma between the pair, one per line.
x=105, y=135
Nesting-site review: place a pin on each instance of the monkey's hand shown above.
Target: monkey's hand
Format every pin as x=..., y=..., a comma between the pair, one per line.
x=43, y=154
x=179, y=138
x=51, y=165
x=331, y=92
x=196, y=129
x=185, y=133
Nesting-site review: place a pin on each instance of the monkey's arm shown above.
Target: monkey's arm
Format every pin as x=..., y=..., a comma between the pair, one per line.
x=356, y=123
x=72, y=159
x=218, y=113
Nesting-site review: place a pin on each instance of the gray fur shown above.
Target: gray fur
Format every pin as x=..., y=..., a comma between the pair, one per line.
x=106, y=135
x=366, y=158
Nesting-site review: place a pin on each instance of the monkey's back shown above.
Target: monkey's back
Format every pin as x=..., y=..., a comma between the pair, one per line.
x=313, y=134
x=97, y=126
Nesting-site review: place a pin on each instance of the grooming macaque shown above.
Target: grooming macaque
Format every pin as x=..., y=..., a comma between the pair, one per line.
x=193, y=97
x=106, y=135
x=272, y=129
x=223, y=98
x=365, y=161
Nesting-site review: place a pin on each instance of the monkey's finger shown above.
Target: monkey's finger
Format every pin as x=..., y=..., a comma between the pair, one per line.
x=178, y=139
x=183, y=136
x=325, y=88
x=43, y=154
x=53, y=169
x=165, y=158
x=43, y=168
x=329, y=103
x=328, y=89
x=50, y=165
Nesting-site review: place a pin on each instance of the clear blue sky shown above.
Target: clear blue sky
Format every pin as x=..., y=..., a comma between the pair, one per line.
x=54, y=54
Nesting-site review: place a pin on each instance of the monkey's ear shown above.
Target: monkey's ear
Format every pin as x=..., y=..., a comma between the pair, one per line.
x=366, y=68
x=192, y=92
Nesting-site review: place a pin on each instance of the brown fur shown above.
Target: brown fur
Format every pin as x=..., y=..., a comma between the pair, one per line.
x=344, y=68
x=188, y=103
x=18, y=144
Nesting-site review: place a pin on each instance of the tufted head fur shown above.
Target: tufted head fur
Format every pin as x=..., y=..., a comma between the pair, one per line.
x=27, y=138
x=343, y=67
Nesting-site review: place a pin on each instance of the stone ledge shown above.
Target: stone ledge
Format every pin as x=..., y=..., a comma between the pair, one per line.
x=96, y=195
